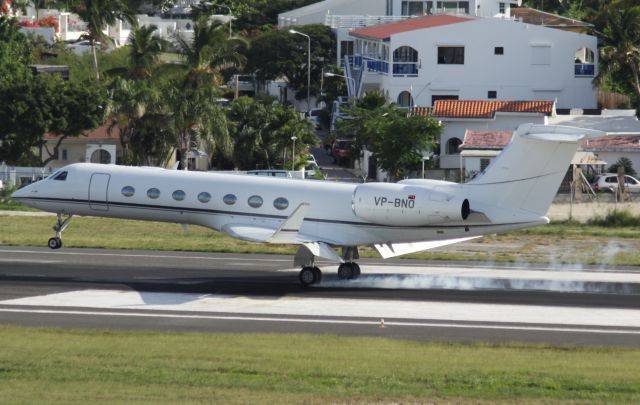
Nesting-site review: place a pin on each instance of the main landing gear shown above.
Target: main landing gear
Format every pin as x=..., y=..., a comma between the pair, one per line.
x=61, y=225
x=311, y=274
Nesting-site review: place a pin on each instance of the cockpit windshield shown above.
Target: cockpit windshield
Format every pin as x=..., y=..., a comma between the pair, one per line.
x=62, y=176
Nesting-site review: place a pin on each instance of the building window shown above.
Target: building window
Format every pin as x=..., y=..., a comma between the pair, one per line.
x=584, y=63
x=492, y=94
x=255, y=201
x=405, y=99
x=484, y=163
x=541, y=54
x=453, y=146
x=128, y=191
x=178, y=195
x=281, y=203
x=229, y=199
x=153, y=193
x=346, y=49
x=204, y=197
x=412, y=8
x=498, y=50
x=442, y=97
x=451, y=55
x=502, y=8
x=405, y=61
x=63, y=154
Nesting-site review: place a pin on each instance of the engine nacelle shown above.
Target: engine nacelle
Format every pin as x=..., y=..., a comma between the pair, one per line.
x=406, y=205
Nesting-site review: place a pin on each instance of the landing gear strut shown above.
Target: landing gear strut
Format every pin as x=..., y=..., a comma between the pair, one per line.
x=59, y=227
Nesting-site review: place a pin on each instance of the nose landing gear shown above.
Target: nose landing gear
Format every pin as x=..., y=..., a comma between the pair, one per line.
x=59, y=227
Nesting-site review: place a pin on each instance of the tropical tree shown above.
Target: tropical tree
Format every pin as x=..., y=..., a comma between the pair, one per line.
x=398, y=139
x=146, y=47
x=99, y=14
x=620, y=52
x=195, y=119
x=625, y=163
x=210, y=52
x=262, y=130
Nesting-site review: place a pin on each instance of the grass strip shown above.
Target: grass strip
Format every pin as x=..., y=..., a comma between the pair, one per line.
x=71, y=366
x=562, y=243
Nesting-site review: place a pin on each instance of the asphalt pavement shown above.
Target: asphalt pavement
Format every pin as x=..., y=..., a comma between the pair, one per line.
x=182, y=291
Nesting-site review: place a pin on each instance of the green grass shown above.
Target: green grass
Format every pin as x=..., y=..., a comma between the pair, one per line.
x=558, y=243
x=62, y=366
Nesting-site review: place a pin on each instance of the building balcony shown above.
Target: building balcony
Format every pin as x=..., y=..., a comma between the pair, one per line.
x=370, y=64
x=359, y=21
x=585, y=70
x=405, y=69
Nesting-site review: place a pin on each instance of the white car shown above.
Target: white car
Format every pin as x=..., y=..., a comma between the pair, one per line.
x=609, y=182
x=84, y=46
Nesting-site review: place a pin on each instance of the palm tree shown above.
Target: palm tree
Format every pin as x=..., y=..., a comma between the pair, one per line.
x=210, y=52
x=621, y=44
x=99, y=14
x=196, y=119
x=145, y=51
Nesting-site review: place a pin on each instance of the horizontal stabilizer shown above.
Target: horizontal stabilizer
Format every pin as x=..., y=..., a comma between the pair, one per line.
x=388, y=250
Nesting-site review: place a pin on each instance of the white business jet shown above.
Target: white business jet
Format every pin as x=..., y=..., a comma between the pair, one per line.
x=514, y=192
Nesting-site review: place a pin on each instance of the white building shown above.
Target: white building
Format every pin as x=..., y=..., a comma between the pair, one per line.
x=459, y=116
x=421, y=60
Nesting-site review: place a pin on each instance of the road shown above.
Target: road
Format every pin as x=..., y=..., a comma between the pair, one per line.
x=179, y=291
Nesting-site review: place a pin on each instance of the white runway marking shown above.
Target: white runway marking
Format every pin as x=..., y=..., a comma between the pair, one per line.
x=325, y=321
x=338, y=307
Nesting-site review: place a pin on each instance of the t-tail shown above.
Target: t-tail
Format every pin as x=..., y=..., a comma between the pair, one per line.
x=526, y=176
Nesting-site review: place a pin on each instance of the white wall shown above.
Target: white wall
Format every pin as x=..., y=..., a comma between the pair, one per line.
x=512, y=75
x=456, y=128
x=480, y=8
x=315, y=13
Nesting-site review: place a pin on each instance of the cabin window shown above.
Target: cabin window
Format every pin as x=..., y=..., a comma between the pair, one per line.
x=128, y=191
x=62, y=176
x=255, y=201
x=204, y=197
x=281, y=203
x=178, y=195
x=153, y=193
x=229, y=199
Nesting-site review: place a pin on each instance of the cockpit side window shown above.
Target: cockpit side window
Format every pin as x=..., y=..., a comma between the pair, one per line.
x=62, y=176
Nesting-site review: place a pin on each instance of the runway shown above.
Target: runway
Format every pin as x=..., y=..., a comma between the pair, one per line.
x=180, y=291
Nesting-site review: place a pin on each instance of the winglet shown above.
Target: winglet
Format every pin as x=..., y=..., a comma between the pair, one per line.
x=288, y=230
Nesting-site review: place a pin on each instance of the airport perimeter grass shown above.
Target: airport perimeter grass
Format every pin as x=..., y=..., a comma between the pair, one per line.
x=558, y=243
x=71, y=366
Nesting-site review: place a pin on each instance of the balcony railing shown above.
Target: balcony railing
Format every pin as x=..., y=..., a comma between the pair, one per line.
x=359, y=21
x=585, y=70
x=405, y=69
x=370, y=64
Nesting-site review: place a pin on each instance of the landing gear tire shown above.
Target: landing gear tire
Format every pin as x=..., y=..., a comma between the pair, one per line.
x=310, y=275
x=346, y=271
x=55, y=243
x=356, y=270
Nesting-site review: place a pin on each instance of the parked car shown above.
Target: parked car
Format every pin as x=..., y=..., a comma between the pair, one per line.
x=84, y=46
x=609, y=182
x=341, y=150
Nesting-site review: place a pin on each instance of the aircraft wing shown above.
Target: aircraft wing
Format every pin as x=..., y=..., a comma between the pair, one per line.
x=388, y=250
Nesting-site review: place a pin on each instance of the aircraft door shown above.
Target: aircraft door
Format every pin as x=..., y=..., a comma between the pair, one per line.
x=98, y=187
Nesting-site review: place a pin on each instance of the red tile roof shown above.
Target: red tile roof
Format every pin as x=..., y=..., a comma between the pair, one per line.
x=612, y=143
x=487, y=109
x=486, y=139
x=384, y=31
x=99, y=134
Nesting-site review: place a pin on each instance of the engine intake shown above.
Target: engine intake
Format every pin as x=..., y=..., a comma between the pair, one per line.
x=406, y=205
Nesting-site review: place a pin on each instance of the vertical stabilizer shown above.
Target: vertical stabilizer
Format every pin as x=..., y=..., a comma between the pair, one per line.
x=527, y=174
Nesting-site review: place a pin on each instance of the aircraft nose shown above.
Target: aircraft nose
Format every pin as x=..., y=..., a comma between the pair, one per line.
x=21, y=193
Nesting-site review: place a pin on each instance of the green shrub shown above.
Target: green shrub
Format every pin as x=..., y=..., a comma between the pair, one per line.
x=616, y=218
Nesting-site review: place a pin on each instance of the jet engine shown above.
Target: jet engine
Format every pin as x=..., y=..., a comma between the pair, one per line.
x=406, y=205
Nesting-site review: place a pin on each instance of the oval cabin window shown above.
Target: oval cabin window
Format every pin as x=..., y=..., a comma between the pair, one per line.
x=128, y=191
x=255, y=201
x=153, y=193
x=178, y=195
x=204, y=197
